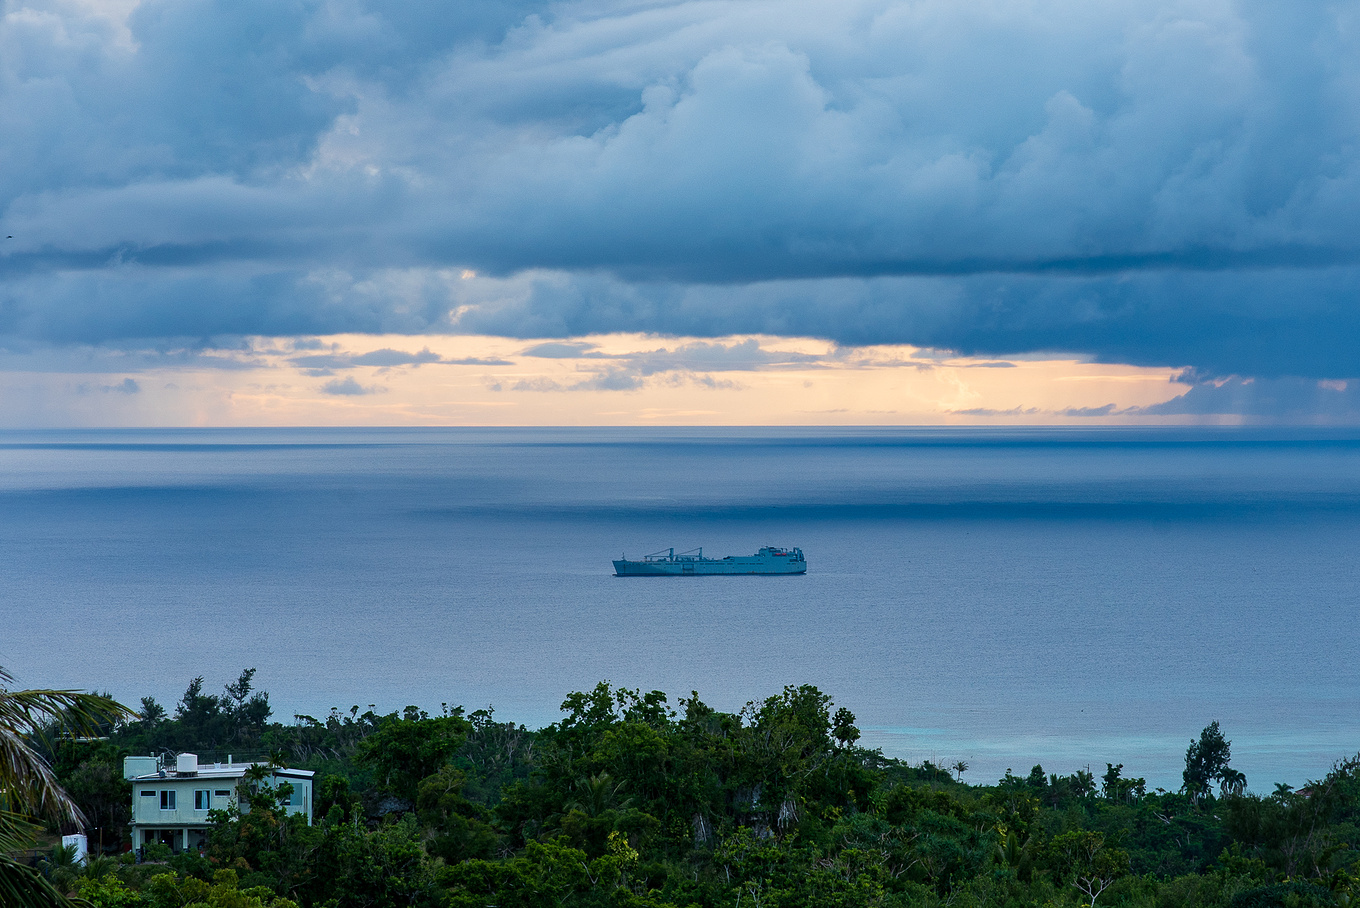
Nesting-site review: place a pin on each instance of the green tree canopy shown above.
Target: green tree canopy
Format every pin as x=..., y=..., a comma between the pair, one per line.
x=1206, y=760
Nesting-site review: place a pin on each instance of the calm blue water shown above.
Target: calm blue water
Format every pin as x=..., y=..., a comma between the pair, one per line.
x=1001, y=597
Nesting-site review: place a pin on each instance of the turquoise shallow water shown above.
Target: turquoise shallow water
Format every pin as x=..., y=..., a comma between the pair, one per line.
x=1003, y=597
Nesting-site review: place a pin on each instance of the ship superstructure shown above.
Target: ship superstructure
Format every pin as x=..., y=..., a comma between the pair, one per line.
x=666, y=563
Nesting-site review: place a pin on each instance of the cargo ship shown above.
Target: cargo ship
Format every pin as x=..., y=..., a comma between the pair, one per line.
x=769, y=560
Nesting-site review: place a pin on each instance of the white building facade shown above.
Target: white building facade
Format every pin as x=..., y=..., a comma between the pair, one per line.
x=170, y=803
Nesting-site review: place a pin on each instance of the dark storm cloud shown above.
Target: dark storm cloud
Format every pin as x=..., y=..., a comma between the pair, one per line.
x=1166, y=182
x=743, y=356
x=991, y=411
x=563, y=350
x=747, y=355
x=1104, y=410
x=348, y=387
x=1290, y=398
x=1266, y=322
x=684, y=364
x=387, y=358
x=126, y=386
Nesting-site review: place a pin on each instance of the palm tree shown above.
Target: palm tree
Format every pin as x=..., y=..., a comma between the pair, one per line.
x=29, y=790
x=598, y=794
x=61, y=866
x=1232, y=782
x=99, y=866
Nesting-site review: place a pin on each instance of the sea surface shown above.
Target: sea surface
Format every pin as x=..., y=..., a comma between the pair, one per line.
x=1002, y=597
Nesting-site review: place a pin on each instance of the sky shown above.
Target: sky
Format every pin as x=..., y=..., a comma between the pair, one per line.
x=264, y=212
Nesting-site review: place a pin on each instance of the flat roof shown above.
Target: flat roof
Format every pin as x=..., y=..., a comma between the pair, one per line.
x=220, y=771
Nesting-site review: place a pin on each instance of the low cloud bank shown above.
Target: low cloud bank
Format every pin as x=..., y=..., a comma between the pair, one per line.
x=1165, y=183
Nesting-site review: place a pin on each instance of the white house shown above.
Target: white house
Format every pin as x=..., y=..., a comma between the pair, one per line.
x=170, y=803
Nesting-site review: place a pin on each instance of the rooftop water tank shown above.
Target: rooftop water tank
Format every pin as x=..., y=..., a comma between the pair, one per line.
x=186, y=764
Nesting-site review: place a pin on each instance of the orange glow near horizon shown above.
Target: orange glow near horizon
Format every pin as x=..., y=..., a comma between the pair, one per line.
x=613, y=380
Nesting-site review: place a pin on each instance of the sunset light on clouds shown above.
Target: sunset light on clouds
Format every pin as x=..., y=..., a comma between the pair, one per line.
x=594, y=380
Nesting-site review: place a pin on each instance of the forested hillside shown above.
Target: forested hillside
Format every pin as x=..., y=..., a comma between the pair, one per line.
x=633, y=800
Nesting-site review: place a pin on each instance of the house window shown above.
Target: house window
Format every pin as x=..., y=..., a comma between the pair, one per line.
x=202, y=801
x=222, y=793
x=148, y=792
x=167, y=800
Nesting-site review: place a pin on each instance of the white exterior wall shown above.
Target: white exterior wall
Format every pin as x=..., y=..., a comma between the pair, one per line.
x=219, y=783
x=146, y=810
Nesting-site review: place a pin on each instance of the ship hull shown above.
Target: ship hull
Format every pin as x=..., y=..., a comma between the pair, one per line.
x=783, y=564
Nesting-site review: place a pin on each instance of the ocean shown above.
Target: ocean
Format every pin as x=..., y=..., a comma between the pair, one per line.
x=1005, y=597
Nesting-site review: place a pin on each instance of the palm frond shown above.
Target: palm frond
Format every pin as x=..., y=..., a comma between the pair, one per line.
x=16, y=831
x=27, y=784
x=28, y=787
x=24, y=887
x=71, y=711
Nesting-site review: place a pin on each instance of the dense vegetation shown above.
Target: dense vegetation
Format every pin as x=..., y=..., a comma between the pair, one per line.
x=633, y=801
